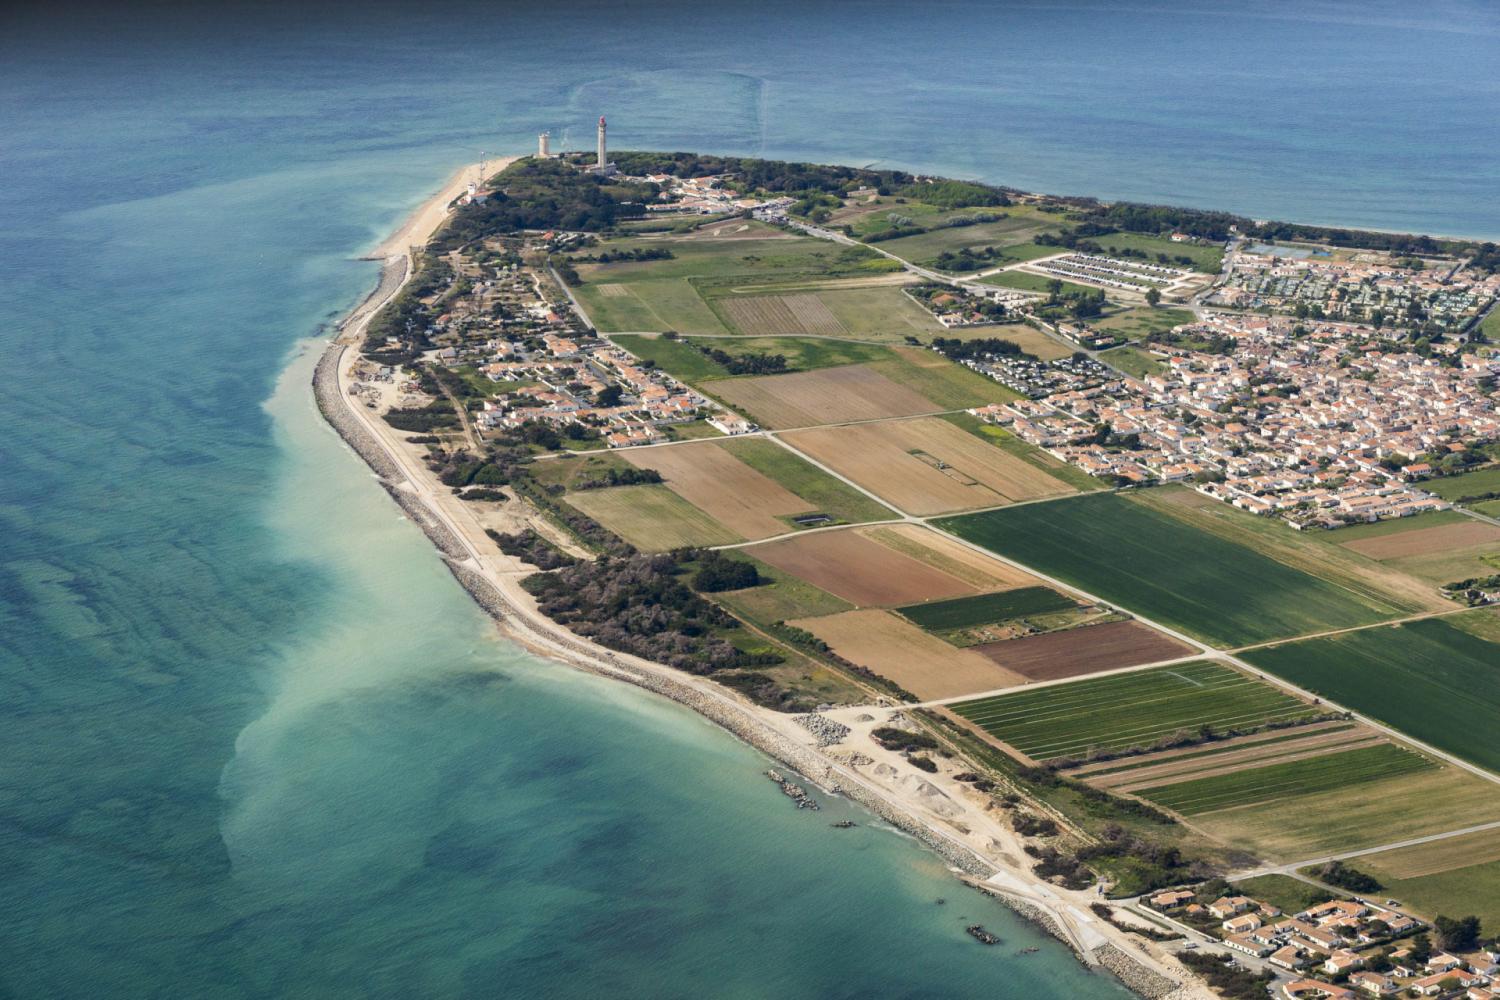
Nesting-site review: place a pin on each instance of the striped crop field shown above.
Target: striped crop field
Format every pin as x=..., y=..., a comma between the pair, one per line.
x=1331, y=772
x=1130, y=710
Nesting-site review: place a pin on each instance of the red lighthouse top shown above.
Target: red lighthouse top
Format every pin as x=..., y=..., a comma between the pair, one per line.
x=601, y=121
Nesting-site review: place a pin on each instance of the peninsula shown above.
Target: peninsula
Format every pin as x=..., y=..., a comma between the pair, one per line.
x=1136, y=559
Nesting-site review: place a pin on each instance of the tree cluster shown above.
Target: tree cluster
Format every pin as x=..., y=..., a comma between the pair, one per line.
x=638, y=604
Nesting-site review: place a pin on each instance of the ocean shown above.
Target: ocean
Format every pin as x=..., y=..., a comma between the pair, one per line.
x=254, y=740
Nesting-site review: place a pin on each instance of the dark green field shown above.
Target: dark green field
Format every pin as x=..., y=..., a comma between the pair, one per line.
x=1330, y=772
x=1130, y=710
x=1149, y=562
x=1428, y=678
x=983, y=609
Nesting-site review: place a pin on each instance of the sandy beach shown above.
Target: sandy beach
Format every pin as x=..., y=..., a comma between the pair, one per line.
x=948, y=816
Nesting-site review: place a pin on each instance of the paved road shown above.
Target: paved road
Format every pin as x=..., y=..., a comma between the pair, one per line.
x=1291, y=867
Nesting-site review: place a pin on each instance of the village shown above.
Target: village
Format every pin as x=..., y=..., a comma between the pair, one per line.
x=1369, y=287
x=509, y=330
x=1340, y=949
x=1312, y=421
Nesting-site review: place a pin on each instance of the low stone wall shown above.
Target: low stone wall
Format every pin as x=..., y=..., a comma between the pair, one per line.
x=335, y=410
x=1148, y=983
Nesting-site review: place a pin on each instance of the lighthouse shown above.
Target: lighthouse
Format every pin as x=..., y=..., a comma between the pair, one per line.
x=603, y=156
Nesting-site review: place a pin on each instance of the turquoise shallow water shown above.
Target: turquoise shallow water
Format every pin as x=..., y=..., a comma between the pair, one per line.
x=254, y=741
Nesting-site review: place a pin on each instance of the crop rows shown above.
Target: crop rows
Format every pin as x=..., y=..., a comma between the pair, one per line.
x=1130, y=710
x=1331, y=772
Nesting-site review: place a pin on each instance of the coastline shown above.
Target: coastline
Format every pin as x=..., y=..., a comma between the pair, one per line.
x=493, y=581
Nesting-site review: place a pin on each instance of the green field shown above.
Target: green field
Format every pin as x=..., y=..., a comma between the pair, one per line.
x=1467, y=484
x=683, y=359
x=1428, y=678
x=984, y=609
x=1470, y=889
x=652, y=518
x=1395, y=526
x=1020, y=224
x=1309, y=776
x=881, y=312
x=1132, y=361
x=1291, y=895
x=648, y=306
x=1133, y=324
x=1208, y=259
x=1146, y=561
x=949, y=385
x=1125, y=711
x=1026, y=281
x=826, y=494
x=675, y=357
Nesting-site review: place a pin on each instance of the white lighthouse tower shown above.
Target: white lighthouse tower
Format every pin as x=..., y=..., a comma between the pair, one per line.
x=603, y=156
x=544, y=146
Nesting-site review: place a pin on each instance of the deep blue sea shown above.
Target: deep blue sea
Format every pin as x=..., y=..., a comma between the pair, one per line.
x=254, y=740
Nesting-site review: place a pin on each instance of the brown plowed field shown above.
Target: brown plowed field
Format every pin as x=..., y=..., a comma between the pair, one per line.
x=1426, y=541
x=773, y=315
x=951, y=556
x=824, y=396
x=861, y=571
x=927, y=466
x=1081, y=651
x=720, y=485
x=1172, y=771
x=1167, y=755
x=921, y=663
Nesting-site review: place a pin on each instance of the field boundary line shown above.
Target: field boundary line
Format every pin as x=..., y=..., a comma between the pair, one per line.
x=1422, y=616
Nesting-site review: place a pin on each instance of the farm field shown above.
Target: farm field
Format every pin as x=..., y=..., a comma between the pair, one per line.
x=859, y=570
x=1432, y=679
x=1132, y=361
x=742, y=499
x=1374, y=812
x=857, y=308
x=886, y=566
x=1125, y=711
x=761, y=253
x=651, y=517
x=1457, y=875
x=933, y=548
x=677, y=358
x=1440, y=553
x=780, y=596
x=1110, y=772
x=1466, y=484
x=1146, y=561
x=826, y=494
x=1084, y=650
x=1133, y=324
x=1314, y=552
x=1313, y=775
x=1006, y=441
x=654, y=305
x=897, y=650
x=926, y=466
x=949, y=385
x=982, y=609
x=828, y=395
